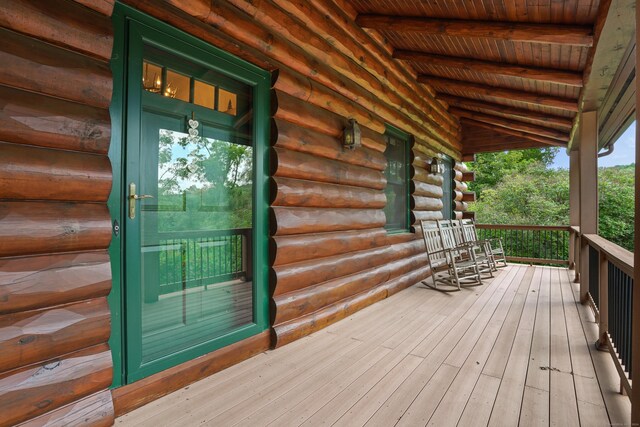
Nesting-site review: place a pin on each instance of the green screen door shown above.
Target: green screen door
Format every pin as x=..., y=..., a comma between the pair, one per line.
x=190, y=205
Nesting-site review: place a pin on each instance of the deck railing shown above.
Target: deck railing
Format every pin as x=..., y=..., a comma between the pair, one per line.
x=201, y=258
x=610, y=294
x=531, y=244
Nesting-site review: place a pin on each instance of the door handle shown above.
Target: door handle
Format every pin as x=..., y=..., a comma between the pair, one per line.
x=132, y=199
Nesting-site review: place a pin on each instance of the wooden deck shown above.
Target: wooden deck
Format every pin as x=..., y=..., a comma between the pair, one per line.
x=518, y=350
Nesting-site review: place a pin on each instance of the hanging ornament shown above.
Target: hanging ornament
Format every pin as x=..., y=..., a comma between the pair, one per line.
x=193, y=127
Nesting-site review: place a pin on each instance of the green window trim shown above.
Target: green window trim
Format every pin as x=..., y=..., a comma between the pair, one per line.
x=448, y=187
x=398, y=173
x=129, y=23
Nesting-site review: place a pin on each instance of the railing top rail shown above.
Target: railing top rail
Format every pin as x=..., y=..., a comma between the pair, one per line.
x=575, y=229
x=524, y=227
x=203, y=234
x=619, y=256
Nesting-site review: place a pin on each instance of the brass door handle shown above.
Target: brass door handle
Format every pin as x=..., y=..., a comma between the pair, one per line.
x=132, y=199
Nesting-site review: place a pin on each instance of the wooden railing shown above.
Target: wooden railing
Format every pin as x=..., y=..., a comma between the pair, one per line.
x=531, y=244
x=610, y=294
x=200, y=258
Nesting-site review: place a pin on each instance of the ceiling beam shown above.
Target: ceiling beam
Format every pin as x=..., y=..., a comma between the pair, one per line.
x=519, y=134
x=509, y=124
x=576, y=35
x=492, y=108
x=470, y=150
x=563, y=77
x=448, y=85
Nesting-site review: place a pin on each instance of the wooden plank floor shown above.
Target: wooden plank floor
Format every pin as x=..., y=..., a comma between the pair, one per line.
x=516, y=351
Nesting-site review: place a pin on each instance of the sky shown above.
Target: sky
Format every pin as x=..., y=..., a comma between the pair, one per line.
x=623, y=153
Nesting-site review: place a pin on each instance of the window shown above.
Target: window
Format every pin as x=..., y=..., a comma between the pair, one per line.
x=397, y=174
x=447, y=189
x=163, y=80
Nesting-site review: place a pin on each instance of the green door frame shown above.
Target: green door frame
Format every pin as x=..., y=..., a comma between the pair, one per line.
x=130, y=24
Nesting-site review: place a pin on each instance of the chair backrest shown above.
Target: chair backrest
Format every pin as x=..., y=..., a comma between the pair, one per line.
x=458, y=232
x=446, y=234
x=469, y=230
x=433, y=241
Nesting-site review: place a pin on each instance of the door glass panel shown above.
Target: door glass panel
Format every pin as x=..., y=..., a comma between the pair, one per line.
x=227, y=102
x=195, y=237
x=195, y=230
x=178, y=86
x=204, y=94
x=151, y=77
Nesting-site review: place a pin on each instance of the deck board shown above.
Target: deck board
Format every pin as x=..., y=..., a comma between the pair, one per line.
x=516, y=350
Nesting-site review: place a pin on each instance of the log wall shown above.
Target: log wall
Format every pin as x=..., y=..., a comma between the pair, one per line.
x=329, y=251
x=461, y=195
x=330, y=255
x=55, y=177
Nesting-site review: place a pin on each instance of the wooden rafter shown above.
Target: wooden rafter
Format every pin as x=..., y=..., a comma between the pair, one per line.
x=471, y=150
x=521, y=32
x=511, y=124
x=512, y=132
x=570, y=78
x=490, y=107
x=448, y=85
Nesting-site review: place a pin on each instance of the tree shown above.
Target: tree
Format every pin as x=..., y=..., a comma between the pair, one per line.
x=524, y=191
x=204, y=183
x=529, y=194
x=491, y=168
x=616, y=204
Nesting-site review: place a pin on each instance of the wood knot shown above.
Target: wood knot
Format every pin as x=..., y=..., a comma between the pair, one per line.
x=43, y=404
x=26, y=340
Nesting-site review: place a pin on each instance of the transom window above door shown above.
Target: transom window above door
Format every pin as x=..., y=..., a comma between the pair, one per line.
x=197, y=88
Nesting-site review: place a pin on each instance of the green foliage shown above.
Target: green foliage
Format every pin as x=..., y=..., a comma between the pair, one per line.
x=204, y=184
x=491, y=168
x=616, y=193
x=522, y=189
x=528, y=195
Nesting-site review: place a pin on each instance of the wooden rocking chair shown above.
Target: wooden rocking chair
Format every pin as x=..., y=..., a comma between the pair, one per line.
x=493, y=247
x=454, y=236
x=457, y=271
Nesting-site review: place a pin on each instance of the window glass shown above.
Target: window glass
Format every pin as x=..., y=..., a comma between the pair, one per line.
x=204, y=94
x=397, y=174
x=447, y=189
x=210, y=89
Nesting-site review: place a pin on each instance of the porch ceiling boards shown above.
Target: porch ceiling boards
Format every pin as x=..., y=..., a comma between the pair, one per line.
x=517, y=349
x=520, y=63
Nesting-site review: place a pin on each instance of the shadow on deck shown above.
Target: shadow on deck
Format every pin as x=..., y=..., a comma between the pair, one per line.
x=518, y=350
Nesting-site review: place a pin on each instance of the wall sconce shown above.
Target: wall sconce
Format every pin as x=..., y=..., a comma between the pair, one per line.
x=436, y=167
x=352, y=136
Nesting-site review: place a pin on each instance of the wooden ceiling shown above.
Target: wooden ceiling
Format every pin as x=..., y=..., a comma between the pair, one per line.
x=511, y=70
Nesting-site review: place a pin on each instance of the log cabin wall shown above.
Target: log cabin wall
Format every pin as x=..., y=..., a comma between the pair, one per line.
x=460, y=205
x=55, y=177
x=330, y=253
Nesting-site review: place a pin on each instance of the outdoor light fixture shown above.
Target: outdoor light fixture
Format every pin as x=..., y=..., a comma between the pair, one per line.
x=352, y=136
x=436, y=167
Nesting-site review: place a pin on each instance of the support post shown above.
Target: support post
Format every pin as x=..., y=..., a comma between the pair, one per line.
x=588, y=149
x=635, y=325
x=574, y=206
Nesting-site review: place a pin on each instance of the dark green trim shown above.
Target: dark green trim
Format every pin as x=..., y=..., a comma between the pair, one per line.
x=117, y=109
x=408, y=139
x=448, y=187
x=129, y=25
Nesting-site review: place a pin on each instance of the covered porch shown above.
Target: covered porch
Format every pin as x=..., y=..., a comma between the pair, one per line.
x=517, y=350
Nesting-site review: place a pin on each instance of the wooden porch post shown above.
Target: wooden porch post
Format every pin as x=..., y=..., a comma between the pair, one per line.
x=574, y=207
x=588, y=152
x=635, y=325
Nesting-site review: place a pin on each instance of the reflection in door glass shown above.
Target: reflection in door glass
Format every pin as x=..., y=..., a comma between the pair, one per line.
x=196, y=242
